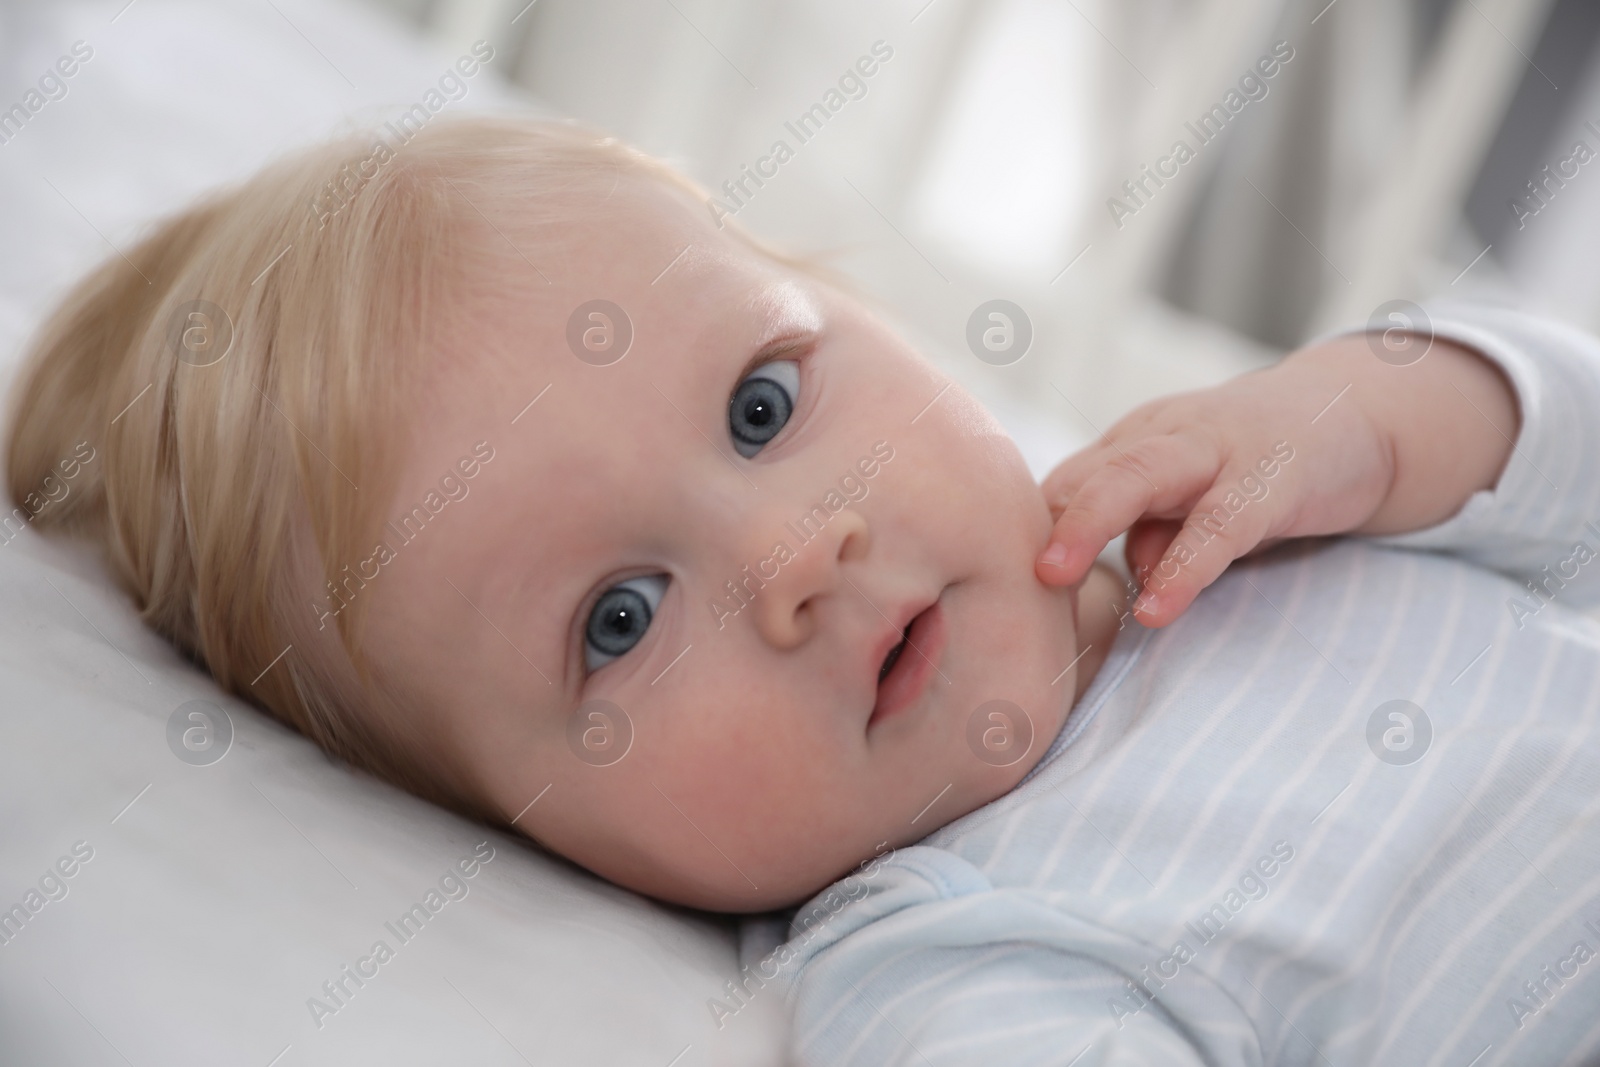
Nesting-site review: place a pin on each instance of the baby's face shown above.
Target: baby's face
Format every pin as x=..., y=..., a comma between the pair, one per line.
x=660, y=619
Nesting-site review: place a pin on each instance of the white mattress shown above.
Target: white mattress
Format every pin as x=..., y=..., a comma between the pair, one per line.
x=216, y=900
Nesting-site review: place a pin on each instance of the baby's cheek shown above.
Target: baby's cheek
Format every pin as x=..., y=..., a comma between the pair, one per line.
x=730, y=744
x=743, y=753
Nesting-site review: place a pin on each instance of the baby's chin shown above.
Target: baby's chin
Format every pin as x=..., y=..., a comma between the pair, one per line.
x=785, y=888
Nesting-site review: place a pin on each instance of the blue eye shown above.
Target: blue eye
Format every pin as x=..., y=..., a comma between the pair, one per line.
x=762, y=404
x=620, y=618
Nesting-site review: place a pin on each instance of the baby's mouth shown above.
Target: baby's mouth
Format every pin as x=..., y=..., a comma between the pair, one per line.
x=894, y=654
x=903, y=677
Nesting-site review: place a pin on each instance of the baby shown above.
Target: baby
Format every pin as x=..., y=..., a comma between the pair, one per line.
x=505, y=470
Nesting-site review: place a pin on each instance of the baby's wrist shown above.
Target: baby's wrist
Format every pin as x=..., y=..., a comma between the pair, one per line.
x=1446, y=421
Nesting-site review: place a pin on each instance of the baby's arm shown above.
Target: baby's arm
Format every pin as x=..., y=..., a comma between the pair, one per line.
x=934, y=966
x=1336, y=440
x=1018, y=1004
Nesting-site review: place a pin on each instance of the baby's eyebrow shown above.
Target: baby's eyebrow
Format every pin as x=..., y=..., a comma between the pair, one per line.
x=794, y=320
x=794, y=339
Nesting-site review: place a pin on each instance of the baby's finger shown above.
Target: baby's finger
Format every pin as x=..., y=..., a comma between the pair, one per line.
x=1147, y=543
x=1212, y=537
x=1154, y=476
x=1070, y=474
x=1063, y=483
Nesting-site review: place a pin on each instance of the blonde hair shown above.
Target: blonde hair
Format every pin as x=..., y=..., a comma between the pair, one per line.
x=228, y=480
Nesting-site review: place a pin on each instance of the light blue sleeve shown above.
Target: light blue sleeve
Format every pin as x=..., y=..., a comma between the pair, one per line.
x=936, y=967
x=1541, y=521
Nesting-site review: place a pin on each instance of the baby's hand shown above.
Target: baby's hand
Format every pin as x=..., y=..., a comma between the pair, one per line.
x=1330, y=440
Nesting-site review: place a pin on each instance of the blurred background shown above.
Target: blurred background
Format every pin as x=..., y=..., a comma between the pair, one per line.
x=1006, y=149
x=1390, y=157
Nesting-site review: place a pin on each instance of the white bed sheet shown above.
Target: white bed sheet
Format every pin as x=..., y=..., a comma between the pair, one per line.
x=220, y=898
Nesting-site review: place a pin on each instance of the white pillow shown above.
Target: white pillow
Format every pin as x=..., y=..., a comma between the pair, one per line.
x=173, y=912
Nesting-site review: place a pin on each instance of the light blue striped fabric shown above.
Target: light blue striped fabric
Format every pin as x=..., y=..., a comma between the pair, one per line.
x=1219, y=868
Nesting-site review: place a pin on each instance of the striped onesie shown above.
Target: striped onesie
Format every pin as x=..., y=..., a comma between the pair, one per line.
x=1343, y=812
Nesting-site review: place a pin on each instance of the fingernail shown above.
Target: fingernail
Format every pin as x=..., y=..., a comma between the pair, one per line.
x=1055, y=555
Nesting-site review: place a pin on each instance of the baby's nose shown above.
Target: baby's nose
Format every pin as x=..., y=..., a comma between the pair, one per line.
x=793, y=578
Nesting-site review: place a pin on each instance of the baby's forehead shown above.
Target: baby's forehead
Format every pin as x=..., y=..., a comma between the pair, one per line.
x=600, y=364
x=641, y=245
x=625, y=299
x=625, y=303
x=631, y=231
